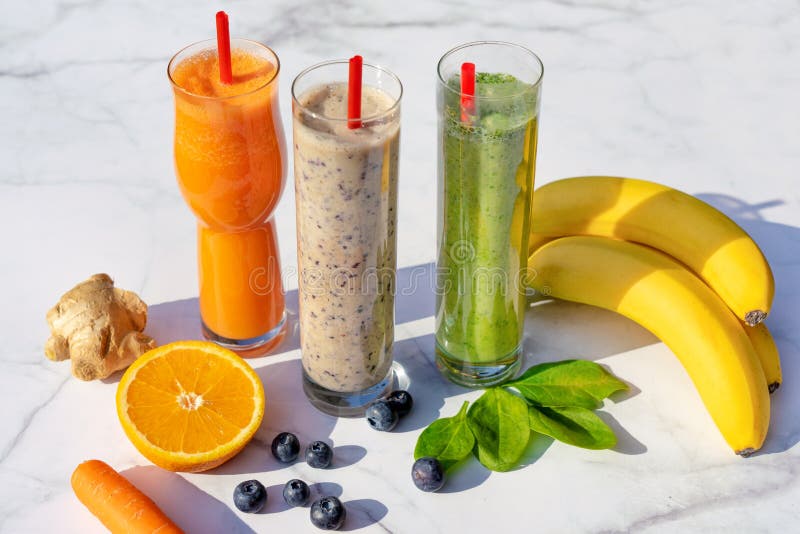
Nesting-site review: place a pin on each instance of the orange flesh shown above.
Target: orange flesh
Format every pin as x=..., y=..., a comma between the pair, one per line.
x=208, y=400
x=229, y=159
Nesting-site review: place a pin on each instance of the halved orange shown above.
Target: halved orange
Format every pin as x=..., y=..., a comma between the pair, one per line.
x=190, y=405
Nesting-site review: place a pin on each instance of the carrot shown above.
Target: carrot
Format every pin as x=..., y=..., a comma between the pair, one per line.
x=117, y=503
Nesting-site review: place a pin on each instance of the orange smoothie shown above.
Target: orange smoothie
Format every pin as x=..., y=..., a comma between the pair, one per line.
x=230, y=163
x=241, y=293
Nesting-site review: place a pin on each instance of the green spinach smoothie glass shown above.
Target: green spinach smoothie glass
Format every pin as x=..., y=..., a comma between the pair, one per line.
x=487, y=157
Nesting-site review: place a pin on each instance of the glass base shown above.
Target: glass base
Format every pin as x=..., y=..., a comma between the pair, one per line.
x=252, y=346
x=477, y=375
x=346, y=404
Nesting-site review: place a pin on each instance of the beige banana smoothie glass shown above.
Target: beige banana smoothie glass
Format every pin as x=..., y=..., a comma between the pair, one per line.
x=346, y=195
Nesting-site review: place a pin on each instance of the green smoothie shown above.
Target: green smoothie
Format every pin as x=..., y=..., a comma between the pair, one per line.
x=486, y=179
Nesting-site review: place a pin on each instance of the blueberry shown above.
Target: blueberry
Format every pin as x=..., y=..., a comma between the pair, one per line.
x=381, y=416
x=401, y=401
x=296, y=493
x=428, y=474
x=285, y=447
x=328, y=513
x=250, y=496
x=319, y=455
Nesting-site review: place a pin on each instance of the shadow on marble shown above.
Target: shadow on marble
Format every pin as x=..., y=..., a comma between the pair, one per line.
x=191, y=508
x=114, y=378
x=180, y=319
x=174, y=321
x=781, y=245
x=550, y=331
x=537, y=446
x=257, y=457
x=626, y=443
x=738, y=209
x=558, y=330
x=553, y=331
x=362, y=513
x=464, y=476
x=346, y=455
x=254, y=458
x=426, y=385
x=286, y=410
x=275, y=502
x=324, y=489
x=622, y=396
x=415, y=298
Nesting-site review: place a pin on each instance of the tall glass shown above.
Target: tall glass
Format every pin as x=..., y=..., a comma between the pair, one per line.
x=230, y=165
x=487, y=156
x=346, y=194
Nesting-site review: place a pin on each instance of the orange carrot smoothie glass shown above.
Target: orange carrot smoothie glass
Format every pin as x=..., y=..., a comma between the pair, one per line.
x=231, y=167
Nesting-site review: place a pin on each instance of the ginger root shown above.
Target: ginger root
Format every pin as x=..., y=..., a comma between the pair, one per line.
x=99, y=327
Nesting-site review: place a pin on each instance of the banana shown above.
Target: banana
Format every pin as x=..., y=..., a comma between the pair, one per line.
x=698, y=235
x=663, y=296
x=759, y=335
x=767, y=353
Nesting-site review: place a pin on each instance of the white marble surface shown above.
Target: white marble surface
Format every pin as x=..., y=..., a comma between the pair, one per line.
x=699, y=95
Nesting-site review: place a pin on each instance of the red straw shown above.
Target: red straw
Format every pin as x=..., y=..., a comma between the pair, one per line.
x=467, y=91
x=354, y=93
x=224, y=48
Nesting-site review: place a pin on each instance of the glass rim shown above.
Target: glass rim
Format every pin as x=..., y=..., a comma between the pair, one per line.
x=371, y=118
x=535, y=85
x=268, y=82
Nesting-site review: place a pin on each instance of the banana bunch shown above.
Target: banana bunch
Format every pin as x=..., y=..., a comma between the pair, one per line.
x=676, y=266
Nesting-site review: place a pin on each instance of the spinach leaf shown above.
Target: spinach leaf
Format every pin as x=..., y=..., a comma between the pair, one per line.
x=499, y=422
x=449, y=439
x=573, y=425
x=567, y=383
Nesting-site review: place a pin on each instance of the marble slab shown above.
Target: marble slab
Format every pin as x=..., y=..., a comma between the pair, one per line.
x=698, y=95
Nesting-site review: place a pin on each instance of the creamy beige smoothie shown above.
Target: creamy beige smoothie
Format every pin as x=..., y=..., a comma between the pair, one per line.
x=346, y=196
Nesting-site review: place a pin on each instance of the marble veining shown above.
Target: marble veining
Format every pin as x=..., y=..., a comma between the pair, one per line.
x=699, y=95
